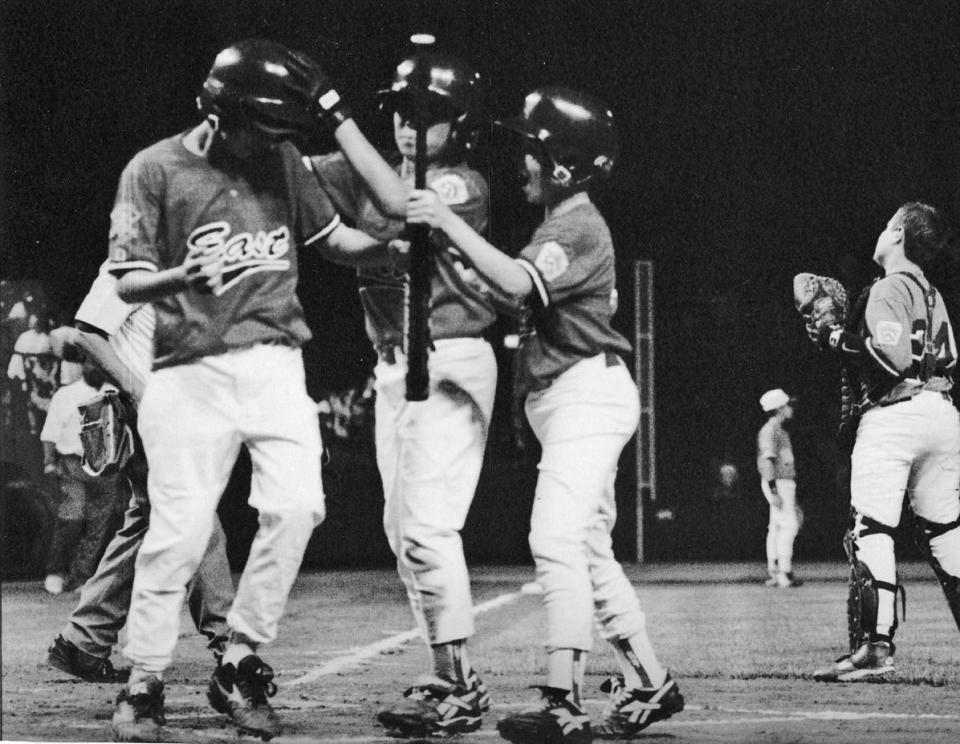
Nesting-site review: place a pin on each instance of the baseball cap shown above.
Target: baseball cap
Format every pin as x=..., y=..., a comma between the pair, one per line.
x=773, y=399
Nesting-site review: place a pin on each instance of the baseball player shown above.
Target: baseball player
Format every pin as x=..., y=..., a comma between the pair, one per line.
x=899, y=345
x=119, y=338
x=583, y=407
x=429, y=453
x=206, y=226
x=779, y=486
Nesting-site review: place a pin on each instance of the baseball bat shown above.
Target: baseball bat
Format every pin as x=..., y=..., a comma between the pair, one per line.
x=417, y=304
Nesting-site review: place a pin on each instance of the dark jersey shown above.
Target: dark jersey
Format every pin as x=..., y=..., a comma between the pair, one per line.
x=461, y=303
x=571, y=262
x=908, y=339
x=172, y=203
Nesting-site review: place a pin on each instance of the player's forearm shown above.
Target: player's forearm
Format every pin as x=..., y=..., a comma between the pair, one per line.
x=856, y=352
x=99, y=349
x=489, y=261
x=386, y=188
x=351, y=247
x=147, y=286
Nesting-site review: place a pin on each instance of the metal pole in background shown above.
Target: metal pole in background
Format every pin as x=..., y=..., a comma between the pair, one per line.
x=643, y=374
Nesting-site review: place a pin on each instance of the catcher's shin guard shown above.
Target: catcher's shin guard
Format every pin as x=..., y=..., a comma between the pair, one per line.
x=924, y=533
x=863, y=601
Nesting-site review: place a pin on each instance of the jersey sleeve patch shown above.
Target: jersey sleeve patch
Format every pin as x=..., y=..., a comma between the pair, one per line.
x=451, y=188
x=124, y=226
x=888, y=333
x=552, y=260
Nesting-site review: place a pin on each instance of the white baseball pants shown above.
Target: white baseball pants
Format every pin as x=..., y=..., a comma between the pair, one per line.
x=783, y=526
x=583, y=421
x=429, y=454
x=193, y=420
x=910, y=447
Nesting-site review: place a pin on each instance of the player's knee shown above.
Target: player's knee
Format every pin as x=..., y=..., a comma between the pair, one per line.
x=945, y=549
x=555, y=544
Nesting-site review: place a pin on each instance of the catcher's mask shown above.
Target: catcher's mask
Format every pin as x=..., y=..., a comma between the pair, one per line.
x=574, y=133
x=263, y=83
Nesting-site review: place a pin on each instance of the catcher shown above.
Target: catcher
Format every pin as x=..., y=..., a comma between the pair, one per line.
x=898, y=354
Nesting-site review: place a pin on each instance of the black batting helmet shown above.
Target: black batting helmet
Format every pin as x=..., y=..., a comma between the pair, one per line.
x=448, y=81
x=265, y=83
x=574, y=130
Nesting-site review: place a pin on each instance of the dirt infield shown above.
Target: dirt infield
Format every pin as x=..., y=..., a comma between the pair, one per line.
x=742, y=653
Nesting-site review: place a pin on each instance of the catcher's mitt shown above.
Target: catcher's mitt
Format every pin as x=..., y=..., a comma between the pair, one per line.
x=821, y=300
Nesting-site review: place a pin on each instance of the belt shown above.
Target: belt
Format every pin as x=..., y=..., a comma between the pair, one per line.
x=612, y=359
x=941, y=393
x=388, y=353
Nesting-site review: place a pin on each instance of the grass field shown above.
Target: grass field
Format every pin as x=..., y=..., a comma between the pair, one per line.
x=742, y=653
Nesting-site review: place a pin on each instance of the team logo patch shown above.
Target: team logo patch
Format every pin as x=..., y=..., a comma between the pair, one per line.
x=888, y=333
x=552, y=260
x=242, y=254
x=124, y=224
x=451, y=188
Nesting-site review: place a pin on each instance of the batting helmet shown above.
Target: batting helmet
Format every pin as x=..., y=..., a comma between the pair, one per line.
x=575, y=131
x=262, y=82
x=448, y=82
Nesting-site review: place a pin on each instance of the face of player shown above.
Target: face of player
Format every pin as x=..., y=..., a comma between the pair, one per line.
x=890, y=241
x=244, y=140
x=536, y=179
x=405, y=135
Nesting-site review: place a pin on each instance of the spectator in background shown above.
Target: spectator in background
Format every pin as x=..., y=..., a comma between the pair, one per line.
x=89, y=507
x=34, y=364
x=63, y=343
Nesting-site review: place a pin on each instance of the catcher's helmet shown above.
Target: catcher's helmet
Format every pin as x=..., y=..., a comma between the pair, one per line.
x=265, y=83
x=447, y=81
x=575, y=131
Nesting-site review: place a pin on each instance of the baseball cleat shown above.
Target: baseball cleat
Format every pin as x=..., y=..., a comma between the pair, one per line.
x=554, y=720
x=66, y=657
x=871, y=660
x=630, y=710
x=241, y=692
x=436, y=707
x=139, y=712
x=788, y=581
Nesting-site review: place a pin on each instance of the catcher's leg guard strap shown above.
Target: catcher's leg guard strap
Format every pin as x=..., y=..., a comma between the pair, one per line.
x=942, y=542
x=866, y=606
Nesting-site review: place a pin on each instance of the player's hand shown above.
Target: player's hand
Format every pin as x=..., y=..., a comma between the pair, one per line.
x=204, y=272
x=327, y=105
x=51, y=468
x=399, y=252
x=424, y=207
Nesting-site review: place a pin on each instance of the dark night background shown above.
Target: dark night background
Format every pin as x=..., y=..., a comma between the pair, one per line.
x=760, y=139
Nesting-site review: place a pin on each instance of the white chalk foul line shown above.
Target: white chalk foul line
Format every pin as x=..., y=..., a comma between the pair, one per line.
x=359, y=655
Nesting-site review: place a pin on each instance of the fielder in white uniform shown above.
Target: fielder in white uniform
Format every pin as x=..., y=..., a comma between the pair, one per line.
x=779, y=485
x=206, y=226
x=583, y=407
x=898, y=346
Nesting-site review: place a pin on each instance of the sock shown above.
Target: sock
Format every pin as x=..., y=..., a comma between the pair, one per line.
x=450, y=661
x=565, y=668
x=138, y=674
x=638, y=662
x=238, y=648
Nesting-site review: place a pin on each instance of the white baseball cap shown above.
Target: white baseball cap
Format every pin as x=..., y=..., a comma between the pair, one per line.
x=773, y=399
